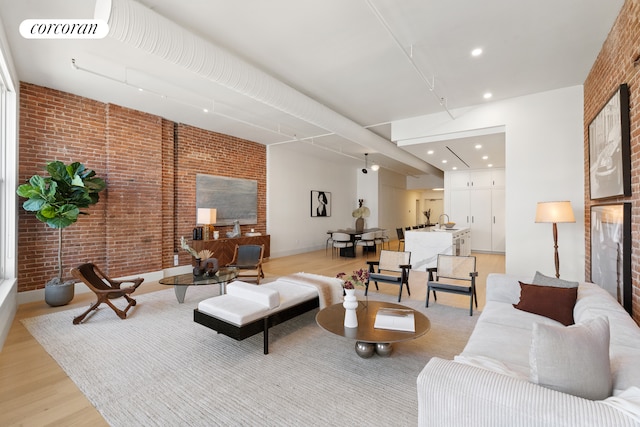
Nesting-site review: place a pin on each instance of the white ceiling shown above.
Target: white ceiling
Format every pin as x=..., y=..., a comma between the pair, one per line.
x=371, y=61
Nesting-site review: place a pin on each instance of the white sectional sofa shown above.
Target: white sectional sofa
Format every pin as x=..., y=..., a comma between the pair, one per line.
x=491, y=383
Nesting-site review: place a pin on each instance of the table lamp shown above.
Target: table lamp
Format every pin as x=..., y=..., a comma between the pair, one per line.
x=555, y=212
x=207, y=217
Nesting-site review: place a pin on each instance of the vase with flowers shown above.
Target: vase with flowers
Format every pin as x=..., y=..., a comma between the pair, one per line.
x=349, y=283
x=360, y=214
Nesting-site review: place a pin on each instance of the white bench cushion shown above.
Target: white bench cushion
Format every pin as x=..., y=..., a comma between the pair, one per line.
x=245, y=302
x=290, y=293
x=264, y=295
x=232, y=309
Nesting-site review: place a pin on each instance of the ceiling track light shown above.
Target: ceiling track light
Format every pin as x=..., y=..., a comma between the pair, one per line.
x=374, y=167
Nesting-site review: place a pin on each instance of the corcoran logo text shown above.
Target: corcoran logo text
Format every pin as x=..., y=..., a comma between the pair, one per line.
x=64, y=29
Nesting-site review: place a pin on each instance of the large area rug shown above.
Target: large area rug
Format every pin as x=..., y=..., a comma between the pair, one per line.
x=158, y=367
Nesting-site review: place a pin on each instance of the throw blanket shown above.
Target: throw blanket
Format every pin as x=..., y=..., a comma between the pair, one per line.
x=329, y=288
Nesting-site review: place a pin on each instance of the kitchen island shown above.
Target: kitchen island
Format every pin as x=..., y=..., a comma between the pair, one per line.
x=426, y=244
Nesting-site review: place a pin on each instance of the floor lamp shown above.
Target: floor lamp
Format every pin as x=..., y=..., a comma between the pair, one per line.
x=555, y=212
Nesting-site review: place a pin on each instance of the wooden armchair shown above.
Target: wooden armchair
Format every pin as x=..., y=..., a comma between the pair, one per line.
x=248, y=260
x=393, y=267
x=105, y=289
x=456, y=275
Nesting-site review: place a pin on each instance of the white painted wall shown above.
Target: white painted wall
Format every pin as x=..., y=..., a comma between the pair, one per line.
x=544, y=162
x=291, y=176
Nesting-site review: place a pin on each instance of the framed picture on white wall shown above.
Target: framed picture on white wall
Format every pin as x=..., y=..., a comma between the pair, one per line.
x=610, y=149
x=320, y=203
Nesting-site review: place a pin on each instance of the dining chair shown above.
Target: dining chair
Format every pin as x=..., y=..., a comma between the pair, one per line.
x=367, y=240
x=381, y=238
x=341, y=241
x=400, y=233
x=329, y=242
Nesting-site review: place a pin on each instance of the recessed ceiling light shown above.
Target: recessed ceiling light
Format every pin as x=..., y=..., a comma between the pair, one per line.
x=438, y=189
x=487, y=95
x=205, y=110
x=478, y=146
x=476, y=52
x=455, y=168
x=430, y=152
x=485, y=157
x=490, y=165
x=444, y=161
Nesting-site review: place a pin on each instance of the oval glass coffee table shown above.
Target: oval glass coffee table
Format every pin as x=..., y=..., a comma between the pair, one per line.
x=181, y=282
x=369, y=339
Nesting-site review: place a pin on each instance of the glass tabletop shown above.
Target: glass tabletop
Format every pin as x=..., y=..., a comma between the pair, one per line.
x=225, y=274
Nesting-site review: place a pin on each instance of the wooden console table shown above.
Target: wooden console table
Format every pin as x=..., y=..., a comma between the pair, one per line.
x=223, y=248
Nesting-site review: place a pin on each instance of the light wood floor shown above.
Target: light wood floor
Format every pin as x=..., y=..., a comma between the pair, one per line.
x=35, y=391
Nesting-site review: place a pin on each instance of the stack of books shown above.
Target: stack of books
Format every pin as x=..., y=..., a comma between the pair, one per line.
x=396, y=319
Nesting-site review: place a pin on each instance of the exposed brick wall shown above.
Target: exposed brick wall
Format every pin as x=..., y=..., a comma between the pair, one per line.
x=135, y=227
x=58, y=126
x=203, y=152
x=613, y=67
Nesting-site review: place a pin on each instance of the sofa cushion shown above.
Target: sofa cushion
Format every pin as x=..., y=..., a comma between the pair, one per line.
x=549, y=301
x=541, y=279
x=574, y=359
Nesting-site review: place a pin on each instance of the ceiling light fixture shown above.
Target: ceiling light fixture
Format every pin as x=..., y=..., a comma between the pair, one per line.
x=375, y=167
x=487, y=95
x=476, y=52
x=364, y=170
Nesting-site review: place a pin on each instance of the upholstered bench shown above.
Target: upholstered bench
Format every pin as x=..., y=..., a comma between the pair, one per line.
x=248, y=309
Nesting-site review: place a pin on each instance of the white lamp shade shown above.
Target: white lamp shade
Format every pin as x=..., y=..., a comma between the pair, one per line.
x=554, y=212
x=206, y=216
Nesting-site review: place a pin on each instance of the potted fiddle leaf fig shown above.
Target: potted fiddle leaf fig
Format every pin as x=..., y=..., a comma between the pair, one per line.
x=57, y=201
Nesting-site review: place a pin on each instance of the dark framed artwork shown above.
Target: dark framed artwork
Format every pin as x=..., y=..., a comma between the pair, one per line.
x=610, y=149
x=611, y=250
x=320, y=203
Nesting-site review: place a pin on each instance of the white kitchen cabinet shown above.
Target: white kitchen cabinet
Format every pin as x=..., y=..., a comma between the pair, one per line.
x=497, y=220
x=485, y=178
x=480, y=213
x=497, y=178
x=476, y=199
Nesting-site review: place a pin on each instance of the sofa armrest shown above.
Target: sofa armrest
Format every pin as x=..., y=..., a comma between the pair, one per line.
x=453, y=394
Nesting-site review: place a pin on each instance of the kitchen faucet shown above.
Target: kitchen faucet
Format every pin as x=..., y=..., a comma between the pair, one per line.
x=441, y=217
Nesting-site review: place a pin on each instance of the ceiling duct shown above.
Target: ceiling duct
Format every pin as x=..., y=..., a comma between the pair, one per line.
x=140, y=27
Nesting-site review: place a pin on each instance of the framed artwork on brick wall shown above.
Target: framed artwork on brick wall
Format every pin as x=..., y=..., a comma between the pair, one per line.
x=611, y=250
x=320, y=203
x=609, y=148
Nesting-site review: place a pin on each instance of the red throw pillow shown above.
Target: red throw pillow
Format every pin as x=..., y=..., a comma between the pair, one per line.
x=549, y=301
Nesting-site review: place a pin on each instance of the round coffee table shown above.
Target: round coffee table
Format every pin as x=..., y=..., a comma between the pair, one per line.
x=369, y=339
x=182, y=281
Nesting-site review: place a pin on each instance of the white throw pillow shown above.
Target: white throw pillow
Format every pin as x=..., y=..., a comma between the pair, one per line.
x=572, y=359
